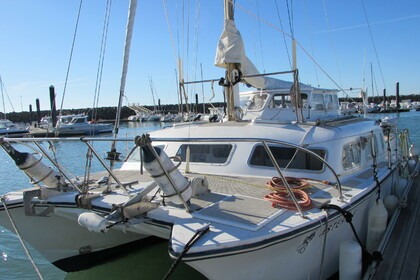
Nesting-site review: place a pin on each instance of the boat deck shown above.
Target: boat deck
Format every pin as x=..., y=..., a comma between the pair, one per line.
x=401, y=258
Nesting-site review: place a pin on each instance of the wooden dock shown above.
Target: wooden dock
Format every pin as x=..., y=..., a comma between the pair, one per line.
x=401, y=257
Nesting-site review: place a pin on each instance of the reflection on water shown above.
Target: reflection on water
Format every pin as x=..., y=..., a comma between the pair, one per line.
x=151, y=262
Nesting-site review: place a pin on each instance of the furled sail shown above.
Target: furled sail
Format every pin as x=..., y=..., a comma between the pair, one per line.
x=231, y=49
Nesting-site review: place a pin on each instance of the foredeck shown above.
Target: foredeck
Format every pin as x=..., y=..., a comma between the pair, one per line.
x=401, y=257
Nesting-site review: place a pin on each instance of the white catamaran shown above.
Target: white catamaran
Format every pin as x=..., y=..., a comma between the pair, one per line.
x=283, y=180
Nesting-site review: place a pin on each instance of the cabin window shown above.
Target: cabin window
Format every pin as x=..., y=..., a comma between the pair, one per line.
x=253, y=102
x=329, y=102
x=281, y=101
x=351, y=155
x=286, y=157
x=380, y=145
x=317, y=101
x=366, y=142
x=335, y=100
x=79, y=120
x=205, y=153
x=285, y=101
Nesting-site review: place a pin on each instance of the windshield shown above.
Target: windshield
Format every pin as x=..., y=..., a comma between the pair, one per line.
x=253, y=101
x=6, y=124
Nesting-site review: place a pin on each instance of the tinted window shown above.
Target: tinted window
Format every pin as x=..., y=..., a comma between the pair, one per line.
x=287, y=157
x=351, y=155
x=206, y=153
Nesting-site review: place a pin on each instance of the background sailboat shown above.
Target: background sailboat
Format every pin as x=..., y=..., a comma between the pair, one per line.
x=6, y=126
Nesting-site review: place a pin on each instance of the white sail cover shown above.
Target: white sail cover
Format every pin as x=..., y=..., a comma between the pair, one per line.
x=231, y=49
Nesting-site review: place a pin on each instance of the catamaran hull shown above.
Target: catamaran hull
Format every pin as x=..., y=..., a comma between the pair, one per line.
x=63, y=242
x=308, y=253
x=300, y=257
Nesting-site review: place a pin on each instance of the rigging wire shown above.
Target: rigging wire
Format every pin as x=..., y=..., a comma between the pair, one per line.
x=153, y=90
x=186, y=32
x=364, y=71
x=4, y=91
x=310, y=41
x=332, y=41
x=260, y=38
x=177, y=51
x=375, y=86
x=101, y=59
x=71, y=56
x=2, y=97
x=196, y=44
x=284, y=37
x=253, y=33
x=271, y=25
x=290, y=14
x=373, y=43
x=170, y=33
x=28, y=254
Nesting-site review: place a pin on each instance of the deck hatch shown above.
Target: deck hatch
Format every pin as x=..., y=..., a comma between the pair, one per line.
x=240, y=211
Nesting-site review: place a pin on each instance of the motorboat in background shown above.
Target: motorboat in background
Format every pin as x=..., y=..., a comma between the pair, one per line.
x=9, y=128
x=79, y=125
x=348, y=108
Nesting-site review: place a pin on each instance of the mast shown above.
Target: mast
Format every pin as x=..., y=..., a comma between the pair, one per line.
x=295, y=91
x=129, y=33
x=232, y=71
x=153, y=94
x=113, y=155
x=2, y=98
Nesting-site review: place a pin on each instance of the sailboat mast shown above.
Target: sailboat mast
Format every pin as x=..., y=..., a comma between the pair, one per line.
x=2, y=97
x=232, y=70
x=113, y=155
x=129, y=33
x=296, y=89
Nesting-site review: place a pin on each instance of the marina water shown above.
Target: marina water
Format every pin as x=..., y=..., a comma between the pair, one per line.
x=151, y=262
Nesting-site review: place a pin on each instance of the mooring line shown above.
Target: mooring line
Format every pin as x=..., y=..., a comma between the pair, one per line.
x=20, y=239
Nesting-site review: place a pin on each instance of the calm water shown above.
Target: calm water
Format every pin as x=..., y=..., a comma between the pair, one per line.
x=151, y=262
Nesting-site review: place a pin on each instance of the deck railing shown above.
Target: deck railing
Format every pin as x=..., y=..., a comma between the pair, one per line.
x=89, y=140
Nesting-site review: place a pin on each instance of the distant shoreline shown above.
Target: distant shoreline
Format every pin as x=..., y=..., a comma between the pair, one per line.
x=107, y=114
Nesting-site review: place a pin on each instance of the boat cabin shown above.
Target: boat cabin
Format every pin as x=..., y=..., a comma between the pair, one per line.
x=279, y=105
x=227, y=150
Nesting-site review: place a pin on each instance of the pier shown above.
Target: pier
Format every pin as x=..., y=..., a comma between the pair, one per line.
x=401, y=257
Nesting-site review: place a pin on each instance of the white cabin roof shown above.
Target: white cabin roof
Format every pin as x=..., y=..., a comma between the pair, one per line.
x=288, y=132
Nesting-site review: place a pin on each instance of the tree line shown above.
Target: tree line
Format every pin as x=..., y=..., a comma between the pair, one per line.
x=101, y=114
x=109, y=113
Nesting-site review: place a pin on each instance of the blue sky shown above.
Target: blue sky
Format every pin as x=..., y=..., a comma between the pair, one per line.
x=37, y=38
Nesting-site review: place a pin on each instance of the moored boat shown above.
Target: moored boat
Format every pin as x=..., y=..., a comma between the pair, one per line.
x=9, y=128
x=283, y=181
x=79, y=125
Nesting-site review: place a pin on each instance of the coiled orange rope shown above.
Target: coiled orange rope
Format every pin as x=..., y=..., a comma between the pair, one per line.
x=280, y=197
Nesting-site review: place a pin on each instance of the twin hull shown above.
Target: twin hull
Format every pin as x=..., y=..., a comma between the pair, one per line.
x=61, y=240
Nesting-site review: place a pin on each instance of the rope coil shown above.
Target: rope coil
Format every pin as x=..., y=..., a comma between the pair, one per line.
x=280, y=197
x=277, y=184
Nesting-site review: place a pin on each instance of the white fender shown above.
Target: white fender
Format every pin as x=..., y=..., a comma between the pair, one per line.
x=93, y=222
x=350, y=260
x=377, y=220
x=391, y=203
